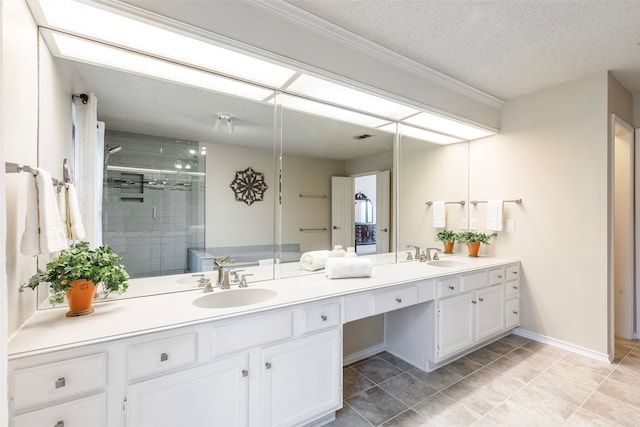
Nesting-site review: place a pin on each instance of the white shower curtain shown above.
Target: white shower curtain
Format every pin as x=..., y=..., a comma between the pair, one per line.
x=88, y=167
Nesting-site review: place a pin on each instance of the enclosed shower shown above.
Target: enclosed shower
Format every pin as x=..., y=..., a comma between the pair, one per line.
x=153, y=201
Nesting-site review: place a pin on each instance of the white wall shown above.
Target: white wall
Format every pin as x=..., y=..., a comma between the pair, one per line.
x=552, y=152
x=20, y=116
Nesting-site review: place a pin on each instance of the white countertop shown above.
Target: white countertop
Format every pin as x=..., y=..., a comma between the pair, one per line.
x=49, y=330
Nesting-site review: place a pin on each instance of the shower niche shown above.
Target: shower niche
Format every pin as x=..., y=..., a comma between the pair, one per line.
x=153, y=201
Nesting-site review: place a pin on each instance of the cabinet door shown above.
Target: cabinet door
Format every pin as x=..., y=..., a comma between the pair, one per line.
x=215, y=394
x=455, y=324
x=490, y=312
x=302, y=379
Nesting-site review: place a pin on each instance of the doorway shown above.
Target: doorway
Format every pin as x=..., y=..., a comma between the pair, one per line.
x=624, y=280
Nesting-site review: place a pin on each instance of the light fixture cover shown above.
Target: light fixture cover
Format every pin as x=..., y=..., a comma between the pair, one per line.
x=422, y=134
x=447, y=126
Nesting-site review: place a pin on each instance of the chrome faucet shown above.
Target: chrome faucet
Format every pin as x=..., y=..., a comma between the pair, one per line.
x=426, y=255
x=219, y=263
x=417, y=248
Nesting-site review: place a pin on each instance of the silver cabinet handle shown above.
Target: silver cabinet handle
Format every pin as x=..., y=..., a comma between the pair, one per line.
x=515, y=312
x=324, y=318
x=474, y=301
x=515, y=287
x=514, y=272
x=386, y=230
x=164, y=357
x=245, y=373
x=59, y=424
x=499, y=276
x=60, y=382
x=399, y=300
x=153, y=212
x=335, y=227
x=481, y=299
x=267, y=365
x=451, y=287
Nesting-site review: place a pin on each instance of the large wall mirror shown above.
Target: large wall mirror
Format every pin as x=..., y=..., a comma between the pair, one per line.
x=172, y=153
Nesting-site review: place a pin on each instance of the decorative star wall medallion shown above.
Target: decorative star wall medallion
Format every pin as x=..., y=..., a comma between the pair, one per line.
x=249, y=186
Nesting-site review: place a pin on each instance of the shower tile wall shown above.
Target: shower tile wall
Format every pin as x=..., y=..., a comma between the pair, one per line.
x=153, y=246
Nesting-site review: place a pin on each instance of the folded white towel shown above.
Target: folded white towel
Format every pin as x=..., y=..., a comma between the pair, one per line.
x=439, y=215
x=314, y=260
x=30, y=243
x=52, y=237
x=345, y=267
x=62, y=211
x=494, y=215
x=74, y=219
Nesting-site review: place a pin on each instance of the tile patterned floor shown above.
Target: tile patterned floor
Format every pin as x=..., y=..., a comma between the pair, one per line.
x=511, y=382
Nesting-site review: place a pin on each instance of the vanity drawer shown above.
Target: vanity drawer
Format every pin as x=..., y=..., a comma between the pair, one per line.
x=358, y=306
x=447, y=287
x=513, y=313
x=470, y=282
x=496, y=277
x=320, y=317
x=161, y=355
x=512, y=288
x=251, y=333
x=393, y=300
x=513, y=272
x=90, y=411
x=56, y=381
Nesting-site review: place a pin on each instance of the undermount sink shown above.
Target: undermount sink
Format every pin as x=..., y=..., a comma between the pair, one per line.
x=234, y=298
x=448, y=263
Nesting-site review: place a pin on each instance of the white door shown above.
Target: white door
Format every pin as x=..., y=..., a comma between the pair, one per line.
x=455, y=324
x=490, y=312
x=342, y=211
x=302, y=379
x=383, y=198
x=216, y=394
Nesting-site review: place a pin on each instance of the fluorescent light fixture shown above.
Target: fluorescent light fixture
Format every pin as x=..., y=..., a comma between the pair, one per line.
x=316, y=88
x=152, y=171
x=101, y=24
x=422, y=134
x=447, y=126
x=330, y=111
x=82, y=50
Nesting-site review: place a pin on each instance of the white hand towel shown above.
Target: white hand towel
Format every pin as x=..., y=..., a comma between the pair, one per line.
x=30, y=243
x=74, y=219
x=345, y=267
x=494, y=215
x=62, y=211
x=439, y=215
x=314, y=260
x=52, y=238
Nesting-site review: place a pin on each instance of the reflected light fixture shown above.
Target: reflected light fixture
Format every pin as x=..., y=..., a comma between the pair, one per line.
x=224, y=118
x=422, y=134
x=447, y=126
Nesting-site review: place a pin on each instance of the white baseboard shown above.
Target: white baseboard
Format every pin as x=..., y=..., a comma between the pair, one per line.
x=603, y=357
x=363, y=354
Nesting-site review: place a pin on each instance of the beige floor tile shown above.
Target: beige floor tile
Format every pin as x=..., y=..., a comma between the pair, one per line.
x=627, y=374
x=479, y=399
x=545, y=349
x=483, y=356
x=584, y=418
x=501, y=347
x=512, y=414
x=560, y=388
x=520, y=370
x=496, y=381
x=463, y=366
x=596, y=366
x=438, y=379
x=515, y=340
x=613, y=409
x=483, y=422
x=441, y=410
x=557, y=410
x=580, y=375
x=626, y=392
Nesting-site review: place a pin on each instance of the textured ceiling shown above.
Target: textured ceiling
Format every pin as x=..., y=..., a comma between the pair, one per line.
x=505, y=48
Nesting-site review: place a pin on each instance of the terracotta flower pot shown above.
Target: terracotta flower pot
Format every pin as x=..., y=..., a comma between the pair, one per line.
x=448, y=246
x=80, y=298
x=473, y=248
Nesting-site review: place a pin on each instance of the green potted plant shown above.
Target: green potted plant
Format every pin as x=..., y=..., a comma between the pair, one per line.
x=448, y=238
x=473, y=240
x=76, y=272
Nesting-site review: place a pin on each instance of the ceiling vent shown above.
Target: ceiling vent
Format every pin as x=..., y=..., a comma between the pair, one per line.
x=363, y=136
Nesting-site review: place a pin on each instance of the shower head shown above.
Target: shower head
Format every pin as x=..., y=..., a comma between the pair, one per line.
x=111, y=150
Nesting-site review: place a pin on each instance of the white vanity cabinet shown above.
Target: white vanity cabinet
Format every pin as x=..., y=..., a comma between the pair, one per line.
x=469, y=310
x=216, y=393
